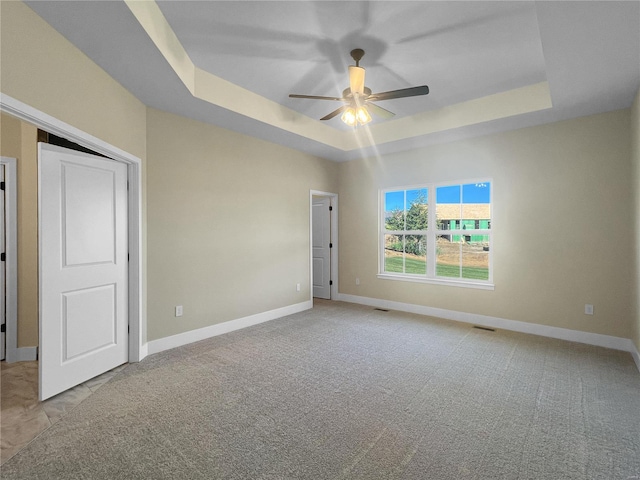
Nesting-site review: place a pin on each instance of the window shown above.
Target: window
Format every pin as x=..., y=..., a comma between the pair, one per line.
x=437, y=234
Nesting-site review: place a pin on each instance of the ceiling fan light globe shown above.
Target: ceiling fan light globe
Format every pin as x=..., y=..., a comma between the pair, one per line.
x=362, y=115
x=349, y=117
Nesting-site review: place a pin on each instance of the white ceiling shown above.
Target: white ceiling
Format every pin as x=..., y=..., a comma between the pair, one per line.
x=554, y=59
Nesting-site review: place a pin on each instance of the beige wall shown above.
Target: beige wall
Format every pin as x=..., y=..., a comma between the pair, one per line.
x=228, y=223
x=635, y=159
x=18, y=140
x=42, y=69
x=562, y=223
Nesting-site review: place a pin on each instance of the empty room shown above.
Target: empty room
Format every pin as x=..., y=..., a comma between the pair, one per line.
x=320, y=239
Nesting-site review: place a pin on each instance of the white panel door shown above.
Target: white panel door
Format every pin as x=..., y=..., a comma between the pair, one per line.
x=3, y=273
x=83, y=267
x=321, y=237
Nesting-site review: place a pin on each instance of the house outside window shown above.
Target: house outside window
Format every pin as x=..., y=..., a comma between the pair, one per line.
x=437, y=233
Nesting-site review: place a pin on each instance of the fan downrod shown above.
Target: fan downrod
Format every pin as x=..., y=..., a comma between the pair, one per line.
x=357, y=55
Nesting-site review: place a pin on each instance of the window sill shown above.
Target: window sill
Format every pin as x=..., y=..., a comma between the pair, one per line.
x=437, y=281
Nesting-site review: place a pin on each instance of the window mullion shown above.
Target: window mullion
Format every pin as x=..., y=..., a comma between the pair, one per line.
x=431, y=232
x=404, y=235
x=383, y=229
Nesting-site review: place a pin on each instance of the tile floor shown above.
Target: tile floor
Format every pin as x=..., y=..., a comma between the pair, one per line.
x=22, y=416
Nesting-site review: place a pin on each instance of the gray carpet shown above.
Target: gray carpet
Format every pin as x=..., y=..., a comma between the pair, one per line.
x=348, y=392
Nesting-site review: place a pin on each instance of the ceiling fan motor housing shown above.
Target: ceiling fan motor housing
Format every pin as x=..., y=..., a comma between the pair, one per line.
x=346, y=93
x=357, y=55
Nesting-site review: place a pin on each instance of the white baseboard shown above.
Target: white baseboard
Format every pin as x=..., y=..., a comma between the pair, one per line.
x=185, y=338
x=607, y=341
x=143, y=351
x=22, y=354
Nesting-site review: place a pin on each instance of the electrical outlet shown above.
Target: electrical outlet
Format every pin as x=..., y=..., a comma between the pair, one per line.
x=588, y=309
x=297, y=287
x=357, y=281
x=178, y=310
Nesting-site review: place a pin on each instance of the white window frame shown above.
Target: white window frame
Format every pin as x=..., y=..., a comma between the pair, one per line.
x=432, y=235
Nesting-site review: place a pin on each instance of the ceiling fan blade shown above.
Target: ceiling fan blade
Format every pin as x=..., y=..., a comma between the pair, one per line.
x=405, y=92
x=316, y=97
x=379, y=111
x=335, y=112
x=356, y=79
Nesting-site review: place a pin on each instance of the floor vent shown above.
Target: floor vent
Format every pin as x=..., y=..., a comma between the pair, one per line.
x=381, y=309
x=485, y=328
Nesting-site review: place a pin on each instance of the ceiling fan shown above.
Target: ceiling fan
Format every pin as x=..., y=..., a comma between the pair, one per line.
x=358, y=99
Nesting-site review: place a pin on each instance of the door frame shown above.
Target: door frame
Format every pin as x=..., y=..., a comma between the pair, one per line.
x=334, y=241
x=12, y=353
x=22, y=111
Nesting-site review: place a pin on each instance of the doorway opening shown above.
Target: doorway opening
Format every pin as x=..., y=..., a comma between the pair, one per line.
x=51, y=139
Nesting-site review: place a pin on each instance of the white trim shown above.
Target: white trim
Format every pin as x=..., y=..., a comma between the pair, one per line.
x=144, y=350
x=334, y=241
x=166, y=343
x=25, y=354
x=137, y=350
x=42, y=120
x=12, y=353
x=597, y=339
x=435, y=281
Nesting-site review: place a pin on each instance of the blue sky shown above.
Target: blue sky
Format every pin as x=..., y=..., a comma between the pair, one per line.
x=471, y=193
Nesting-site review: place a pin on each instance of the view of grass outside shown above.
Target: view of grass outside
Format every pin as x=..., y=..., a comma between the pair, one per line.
x=462, y=259
x=475, y=261
x=419, y=267
x=472, y=273
x=415, y=266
